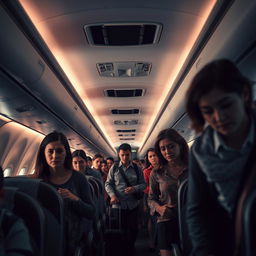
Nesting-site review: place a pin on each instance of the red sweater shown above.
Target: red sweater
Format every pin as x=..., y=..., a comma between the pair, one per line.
x=147, y=173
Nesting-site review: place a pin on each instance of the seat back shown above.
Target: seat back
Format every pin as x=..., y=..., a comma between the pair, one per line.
x=249, y=222
x=52, y=205
x=32, y=214
x=185, y=243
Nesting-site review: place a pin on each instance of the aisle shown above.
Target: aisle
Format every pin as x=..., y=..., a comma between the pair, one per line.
x=141, y=245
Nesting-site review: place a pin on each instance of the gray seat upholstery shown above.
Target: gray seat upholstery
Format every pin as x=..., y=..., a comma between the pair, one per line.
x=32, y=214
x=52, y=205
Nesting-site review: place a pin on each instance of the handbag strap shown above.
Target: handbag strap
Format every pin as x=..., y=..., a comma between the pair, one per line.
x=124, y=177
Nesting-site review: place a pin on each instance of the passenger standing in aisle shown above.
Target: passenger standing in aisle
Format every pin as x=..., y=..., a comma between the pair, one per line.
x=54, y=166
x=79, y=162
x=172, y=150
x=152, y=162
x=219, y=104
x=124, y=195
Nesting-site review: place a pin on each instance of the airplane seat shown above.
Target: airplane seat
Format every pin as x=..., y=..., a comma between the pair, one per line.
x=28, y=209
x=52, y=205
x=102, y=203
x=249, y=224
x=97, y=223
x=185, y=243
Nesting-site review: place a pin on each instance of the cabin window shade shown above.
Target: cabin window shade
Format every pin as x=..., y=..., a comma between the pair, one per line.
x=123, y=34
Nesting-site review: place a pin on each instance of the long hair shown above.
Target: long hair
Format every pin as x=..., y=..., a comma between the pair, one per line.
x=220, y=74
x=42, y=169
x=173, y=136
x=146, y=156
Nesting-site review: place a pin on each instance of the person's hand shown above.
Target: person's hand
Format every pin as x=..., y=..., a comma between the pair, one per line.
x=164, y=209
x=129, y=190
x=65, y=193
x=114, y=200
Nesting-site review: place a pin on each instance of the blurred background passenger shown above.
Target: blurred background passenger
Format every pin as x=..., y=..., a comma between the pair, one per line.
x=89, y=161
x=104, y=170
x=96, y=164
x=79, y=162
x=151, y=162
x=14, y=236
x=219, y=104
x=172, y=150
x=54, y=166
x=110, y=161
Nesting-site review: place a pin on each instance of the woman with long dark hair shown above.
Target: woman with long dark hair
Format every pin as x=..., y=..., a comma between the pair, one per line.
x=54, y=166
x=172, y=150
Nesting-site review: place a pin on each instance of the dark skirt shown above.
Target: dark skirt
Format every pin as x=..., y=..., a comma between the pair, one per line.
x=167, y=234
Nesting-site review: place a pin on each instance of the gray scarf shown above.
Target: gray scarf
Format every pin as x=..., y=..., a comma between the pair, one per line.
x=225, y=173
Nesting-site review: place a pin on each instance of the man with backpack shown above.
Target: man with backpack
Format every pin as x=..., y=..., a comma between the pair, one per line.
x=125, y=184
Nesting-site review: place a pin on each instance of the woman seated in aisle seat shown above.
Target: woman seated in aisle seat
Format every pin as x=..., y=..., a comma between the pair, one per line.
x=54, y=166
x=80, y=164
x=172, y=150
x=151, y=162
x=14, y=236
x=219, y=104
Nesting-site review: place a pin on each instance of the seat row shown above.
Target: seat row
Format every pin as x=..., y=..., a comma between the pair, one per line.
x=42, y=210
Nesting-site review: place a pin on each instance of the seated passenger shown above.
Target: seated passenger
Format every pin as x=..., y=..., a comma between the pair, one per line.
x=54, y=166
x=79, y=162
x=172, y=150
x=219, y=96
x=14, y=237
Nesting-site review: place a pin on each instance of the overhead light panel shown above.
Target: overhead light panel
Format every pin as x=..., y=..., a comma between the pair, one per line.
x=124, y=69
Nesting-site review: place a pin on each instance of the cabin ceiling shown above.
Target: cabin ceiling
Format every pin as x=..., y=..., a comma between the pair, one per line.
x=60, y=27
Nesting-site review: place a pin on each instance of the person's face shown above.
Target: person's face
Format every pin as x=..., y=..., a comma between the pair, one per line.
x=223, y=111
x=89, y=163
x=79, y=164
x=170, y=150
x=125, y=156
x=153, y=158
x=55, y=154
x=97, y=163
x=109, y=163
x=104, y=167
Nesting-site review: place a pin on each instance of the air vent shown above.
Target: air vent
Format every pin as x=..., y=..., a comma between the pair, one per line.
x=127, y=139
x=41, y=122
x=124, y=92
x=124, y=69
x=125, y=111
x=133, y=130
x=123, y=34
x=24, y=108
x=126, y=122
x=126, y=135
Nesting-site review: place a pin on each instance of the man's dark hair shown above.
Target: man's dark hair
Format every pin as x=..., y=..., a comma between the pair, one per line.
x=81, y=153
x=111, y=158
x=124, y=147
